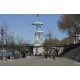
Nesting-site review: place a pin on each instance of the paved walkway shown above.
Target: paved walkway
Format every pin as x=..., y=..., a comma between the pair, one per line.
x=39, y=61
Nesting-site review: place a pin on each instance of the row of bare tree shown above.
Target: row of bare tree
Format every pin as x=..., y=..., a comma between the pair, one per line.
x=8, y=41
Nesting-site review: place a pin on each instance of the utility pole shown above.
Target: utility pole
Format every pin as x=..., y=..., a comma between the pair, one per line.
x=12, y=37
x=50, y=39
x=49, y=42
x=6, y=44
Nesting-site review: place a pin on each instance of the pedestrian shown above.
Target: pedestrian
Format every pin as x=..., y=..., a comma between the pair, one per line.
x=54, y=55
x=53, y=52
x=56, y=52
x=46, y=55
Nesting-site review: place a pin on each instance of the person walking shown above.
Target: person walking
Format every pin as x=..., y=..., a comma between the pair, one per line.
x=53, y=53
x=56, y=52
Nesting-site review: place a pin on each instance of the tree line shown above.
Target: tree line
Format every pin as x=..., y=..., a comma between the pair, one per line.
x=10, y=42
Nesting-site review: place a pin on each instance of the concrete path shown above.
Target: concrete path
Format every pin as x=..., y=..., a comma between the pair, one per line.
x=39, y=61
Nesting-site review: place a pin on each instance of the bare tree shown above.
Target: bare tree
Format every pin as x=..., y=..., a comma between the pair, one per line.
x=20, y=42
x=48, y=42
x=70, y=23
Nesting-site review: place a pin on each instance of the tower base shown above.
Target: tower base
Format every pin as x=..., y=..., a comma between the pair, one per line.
x=38, y=50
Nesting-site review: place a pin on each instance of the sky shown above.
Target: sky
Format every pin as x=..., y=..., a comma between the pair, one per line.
x=21, y=25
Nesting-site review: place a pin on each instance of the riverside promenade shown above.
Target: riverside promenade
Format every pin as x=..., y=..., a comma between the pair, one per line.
x=39, y=61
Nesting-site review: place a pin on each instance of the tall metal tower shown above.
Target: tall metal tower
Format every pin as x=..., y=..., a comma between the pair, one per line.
x=37, y=43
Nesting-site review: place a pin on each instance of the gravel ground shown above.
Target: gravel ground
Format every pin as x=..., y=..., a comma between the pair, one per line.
x=39, y=61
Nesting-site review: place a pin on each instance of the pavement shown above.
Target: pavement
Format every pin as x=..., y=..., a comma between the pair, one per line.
x=39, y=61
